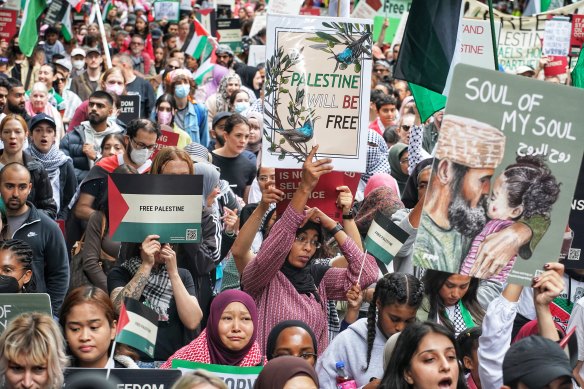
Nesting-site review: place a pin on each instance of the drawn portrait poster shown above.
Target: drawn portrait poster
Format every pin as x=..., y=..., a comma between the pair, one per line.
x=506, y=167
x=318, y=80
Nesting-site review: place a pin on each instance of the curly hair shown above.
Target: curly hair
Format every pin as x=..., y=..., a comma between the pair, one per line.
x=394, y=288
x=530, y=183
x=24, y=255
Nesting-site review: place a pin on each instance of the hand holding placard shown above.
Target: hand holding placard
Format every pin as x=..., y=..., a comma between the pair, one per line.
x=344, y=199
x=148, y=250
x=313, y=170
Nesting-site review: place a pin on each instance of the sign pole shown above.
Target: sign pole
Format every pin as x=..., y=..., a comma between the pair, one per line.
x=493, y=37
x=108, y=59
x=362, y=265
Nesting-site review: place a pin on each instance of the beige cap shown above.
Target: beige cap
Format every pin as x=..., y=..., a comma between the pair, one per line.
x=470, y=143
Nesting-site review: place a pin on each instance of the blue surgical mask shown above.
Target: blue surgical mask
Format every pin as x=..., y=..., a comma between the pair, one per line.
x=181, y=91
x=241, y=107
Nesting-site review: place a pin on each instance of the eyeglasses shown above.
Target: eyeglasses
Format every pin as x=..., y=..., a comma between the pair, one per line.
x=305, y=356
x=142, y=146
x=59, y=79
x=267, y=178
x=406, y=127
x=303, y=240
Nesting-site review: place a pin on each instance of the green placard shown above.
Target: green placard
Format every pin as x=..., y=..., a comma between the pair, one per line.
x=233, y=376
x=13, y=304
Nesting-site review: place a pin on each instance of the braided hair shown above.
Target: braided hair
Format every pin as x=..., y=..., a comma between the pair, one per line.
x=393, y=288
x=23, y=254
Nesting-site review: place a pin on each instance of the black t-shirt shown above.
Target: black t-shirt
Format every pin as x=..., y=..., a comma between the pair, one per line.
x=147, y=98
x=238, y=171
x=172, y=335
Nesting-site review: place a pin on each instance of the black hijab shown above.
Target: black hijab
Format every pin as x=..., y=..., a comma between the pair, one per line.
x=410, y=192
x=247, y=74
x=307, y=279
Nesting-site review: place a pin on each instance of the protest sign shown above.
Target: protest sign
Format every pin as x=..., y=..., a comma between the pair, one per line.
x=476, y=46
x=167, y=10
x=166, y=139
x=519, y=42
x=317, y=87
x=12, y=5
x=7, y=24
x=55, y=12
x=257, y=54
x=577, y=38
x=384, y=238
x=284, y=7
x=208, y=18
x=574, y=234
x=523, y=133
x=13, y=304
x=129, y=378
x=229, y=31
x=235, y=377
x=186, y=5
x=165, y=205
x=323, y=196
x=556, y=37
x=259, y=22
x=130, y=108
x=138, y=326
x=556, y=66
x=310, y=11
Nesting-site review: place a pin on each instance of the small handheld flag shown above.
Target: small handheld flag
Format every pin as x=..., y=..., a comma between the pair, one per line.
x=384, y=238
x=137, y=326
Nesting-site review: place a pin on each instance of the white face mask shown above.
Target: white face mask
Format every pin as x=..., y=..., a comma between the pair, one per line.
x=78, y=64
x=241, y=107
x=139, y=157
x=115, y=88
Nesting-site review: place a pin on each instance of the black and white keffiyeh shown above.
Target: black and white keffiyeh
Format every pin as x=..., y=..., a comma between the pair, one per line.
x=158, y=291
x=455, y=316
x=377, y=154
x=52, y=160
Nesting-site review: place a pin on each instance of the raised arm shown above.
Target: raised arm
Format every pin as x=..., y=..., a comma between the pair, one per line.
x=260, y=271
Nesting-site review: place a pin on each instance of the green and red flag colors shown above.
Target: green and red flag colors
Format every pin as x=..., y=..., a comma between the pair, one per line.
x=29, y=32
x=384, y=238
x=137, y=326
x=166, y=205
x=196, y=40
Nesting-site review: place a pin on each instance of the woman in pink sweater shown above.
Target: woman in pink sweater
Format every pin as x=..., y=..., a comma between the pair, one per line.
x=283, y=279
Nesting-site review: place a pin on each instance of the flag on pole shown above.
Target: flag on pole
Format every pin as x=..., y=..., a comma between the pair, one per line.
x=204, y=69
x=77, y=4
x=66, y=29
x=384, y=238
x=428, y=50
x=106, y=9
x=137, y=326
x=428, y=102
x=196, y=40
x=29, y=34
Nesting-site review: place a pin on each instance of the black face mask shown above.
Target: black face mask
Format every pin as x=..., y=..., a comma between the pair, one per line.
x=16, y=50
x=9, y=284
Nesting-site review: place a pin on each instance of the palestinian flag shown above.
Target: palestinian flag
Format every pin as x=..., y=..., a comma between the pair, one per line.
x=137, y=326
x=196, y=40
x=66, y=29
x=384, y=238
x=29, y=32
x=77, y=4
x=106, y=9
x=428, y=51
x=202, y=71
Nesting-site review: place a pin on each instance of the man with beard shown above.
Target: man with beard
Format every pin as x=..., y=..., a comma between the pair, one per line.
x=225, y=56
x=83, y=144
x=15, y=99
x=467, y=155
x=50, y=265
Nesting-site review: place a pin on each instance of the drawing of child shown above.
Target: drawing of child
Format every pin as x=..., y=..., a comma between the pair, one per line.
x=525, y=189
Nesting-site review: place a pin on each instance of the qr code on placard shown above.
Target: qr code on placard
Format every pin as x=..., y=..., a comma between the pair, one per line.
x=192, y=234
x=574, y=255
x=538, y=272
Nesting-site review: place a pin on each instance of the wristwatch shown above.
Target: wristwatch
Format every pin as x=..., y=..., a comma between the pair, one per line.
x=333, y=231
x=349, y=216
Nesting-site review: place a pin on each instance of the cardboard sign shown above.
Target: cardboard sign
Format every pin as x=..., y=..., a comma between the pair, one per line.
x=259, y=22
x=556, y=66
x=7, y=24
x=323, y=196
x=317, y=89
x=476, y=46
x=129, y=378
x=504, y=131
x=165, y=140
x=13, y=304
x=556, y=38
x=130, y=108
x=167, y=10
x=55, y=12
x=165, y=205
x=234, y=376
x=229, y=31
x=573, y=241
x=285, y=7
x=257, y=54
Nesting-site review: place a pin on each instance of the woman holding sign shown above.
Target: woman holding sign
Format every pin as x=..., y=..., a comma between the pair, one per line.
x=283, y=278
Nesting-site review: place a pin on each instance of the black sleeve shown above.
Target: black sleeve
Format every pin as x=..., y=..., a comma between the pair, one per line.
x=118, y=278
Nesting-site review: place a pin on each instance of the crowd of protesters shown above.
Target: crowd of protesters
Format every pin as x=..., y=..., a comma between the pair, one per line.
x=294, y=292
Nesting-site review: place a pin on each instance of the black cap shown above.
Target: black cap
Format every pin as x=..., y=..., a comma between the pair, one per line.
x=535, y=361
x=92, y=50
x=219, y=116
x=42, y=117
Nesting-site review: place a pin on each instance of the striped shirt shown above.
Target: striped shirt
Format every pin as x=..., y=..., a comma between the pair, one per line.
x=276, y=297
